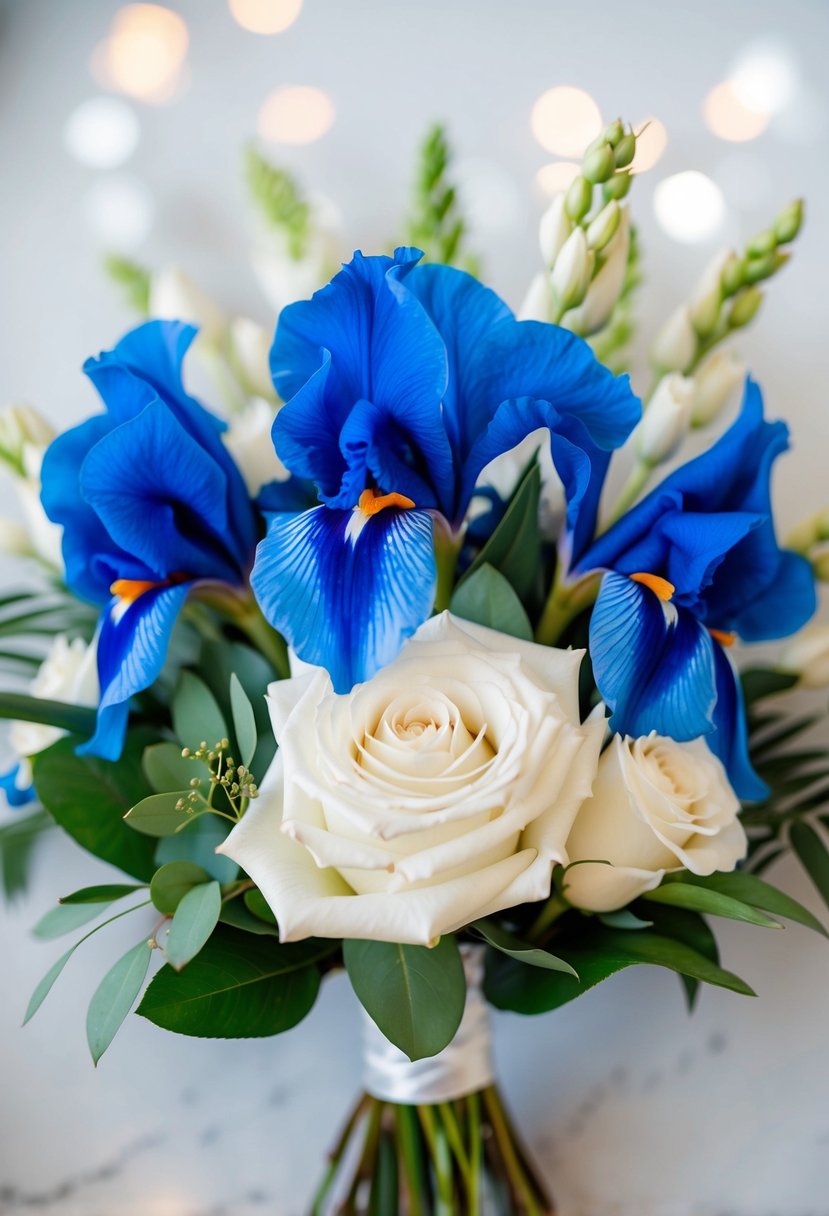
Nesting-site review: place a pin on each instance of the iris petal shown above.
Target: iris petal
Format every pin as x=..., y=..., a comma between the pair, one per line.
x=653, y=665
x=132, y=648
x=344, y=588
x=15, y=796
x=729, y=739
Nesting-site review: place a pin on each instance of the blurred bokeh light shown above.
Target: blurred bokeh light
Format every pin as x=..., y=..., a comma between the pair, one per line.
x=727, y=116
x=689, y=206
x=102, y=132
x=296, y=114
x=556, y=176
x=564, y=120
x=651, y=142
x=144, y=53
x=119, y=210
x=265, y=16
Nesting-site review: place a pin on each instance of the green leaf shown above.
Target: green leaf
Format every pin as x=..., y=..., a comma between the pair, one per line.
x=172, y=882
x=244, y=722
x=601, y=954
x=17, y=842
x=167, y=770
x=239, y=986
x=104, y=894
x=623, y=919
x=703, y=899
x=45, y=986
x=488, y=599
x=132, y=278
x=222, y=659
x=761, y=682
x=65, y=919
x=114, y=998
x=415, y=994
x=256, y=903
x=235, y=913
x=159, y=815
x=198, y=842
x=74, y=718
x=279, y=201
x=514, y=548
x=197, y=718
x=89, y=797
x=195, y=919
x=813, y=856
x=522, y=952
x=753, y=890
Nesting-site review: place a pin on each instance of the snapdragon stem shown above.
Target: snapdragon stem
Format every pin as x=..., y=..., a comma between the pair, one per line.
x=639, y=477
x=564, y=603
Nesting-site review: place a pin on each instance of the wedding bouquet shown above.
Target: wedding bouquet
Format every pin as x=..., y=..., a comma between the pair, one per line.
x=369, y=670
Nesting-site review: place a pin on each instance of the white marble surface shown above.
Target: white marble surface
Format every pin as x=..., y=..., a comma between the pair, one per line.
x=634, y=1109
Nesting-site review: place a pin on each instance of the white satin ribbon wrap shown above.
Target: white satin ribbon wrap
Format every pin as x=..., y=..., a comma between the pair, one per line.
x=463, y=1067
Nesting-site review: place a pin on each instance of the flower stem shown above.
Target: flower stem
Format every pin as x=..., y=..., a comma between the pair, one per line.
x=564, y=603
x=336, y=1155
x=447, y=551
x=555, y=907
x=521, y=1185
x=639, y=477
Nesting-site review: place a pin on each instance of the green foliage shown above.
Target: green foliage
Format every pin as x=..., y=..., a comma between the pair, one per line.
x=221, y=660
x=194, y=920
x=75, y=718
x=244, y=722
x=239, y=986
x=115, y=997
x=415, y=994
x=65, y=919
x=522, y=952
x=596, y=954
x=715, y=903
x=197, y=842
x=106, y=893
x=17, y=842
x=196, y=714
x=753, y=891
x=167, y=770
x=488, y=599
x=436, y=224
x=813, y=855
x=89, y=797
x=134, y=280
x=255, y=902
x=29, y=620
x=172, y=882
x=278, y=200
x=236, y=912
x=514, y=548
x=160, y=814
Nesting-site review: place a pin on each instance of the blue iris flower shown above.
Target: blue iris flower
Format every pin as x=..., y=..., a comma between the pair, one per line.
x=693, y=566
x=15, y=795
x=402, y=382
x=151, y=503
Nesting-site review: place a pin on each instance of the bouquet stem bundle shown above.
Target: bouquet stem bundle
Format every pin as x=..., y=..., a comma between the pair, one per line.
x=460, y=1158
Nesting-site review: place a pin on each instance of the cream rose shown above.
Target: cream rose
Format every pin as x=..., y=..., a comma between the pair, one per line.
x=658, y=806
x=439, y=791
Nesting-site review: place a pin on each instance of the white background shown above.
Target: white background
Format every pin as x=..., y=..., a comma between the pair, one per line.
x=631, y=1106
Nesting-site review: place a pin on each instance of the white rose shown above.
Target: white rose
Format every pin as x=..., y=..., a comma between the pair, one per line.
x=439, y=791
x=807, y=656
x=68, y=673
x=248, y=439
x=658, y=806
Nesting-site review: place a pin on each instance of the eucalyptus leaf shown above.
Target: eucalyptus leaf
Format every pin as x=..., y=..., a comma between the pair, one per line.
x=486, y=598
x=714, y=903
x=256, y=903
x=114, y=998
x=159, y=815
x=522, y=952
x=167, y=770
x=44, y=987
x=244, y=722
x=222, y=659
x=197, y=842
x=88, y=798
x=623, y=919
x=194, y=920
x=65, y=918
x=813, y=856
x=172, y=882
x=234, y=912
x=415, y=994
x=107, y=893
x=239, y=986
x=197, y=718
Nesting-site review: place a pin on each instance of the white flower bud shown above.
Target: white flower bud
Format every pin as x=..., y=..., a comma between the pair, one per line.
x=715, y=381
x=22, y=427
x=554, y=230
x=571, y=274
x=537, y=305
x=603, y=228
x=175, y=297
x=666, y=420
x=603, y=293
x=676, y=343
x=250, y=346
x=248, y=439
x=807, y=656
x=14, y=538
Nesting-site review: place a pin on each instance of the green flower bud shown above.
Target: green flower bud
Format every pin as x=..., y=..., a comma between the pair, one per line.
x=762, y=243
x=732, y=275
x=745, y=307
x=599, y=165
x=757, y=269
x=625, y=150
x=613, y=132
x=618, y=185
x=579, y=198
x=604, y=226
x=788, y=223
x=705, y=313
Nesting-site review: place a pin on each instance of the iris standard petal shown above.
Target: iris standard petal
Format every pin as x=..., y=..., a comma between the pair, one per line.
x=132, y=648
x=729, y=739
x=653, y=662
x=344, y=588
x=161, y=497
x=783, y=607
